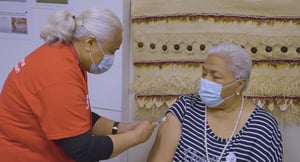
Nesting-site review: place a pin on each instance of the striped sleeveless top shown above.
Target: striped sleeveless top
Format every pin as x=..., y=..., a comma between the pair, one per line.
x=259, y=140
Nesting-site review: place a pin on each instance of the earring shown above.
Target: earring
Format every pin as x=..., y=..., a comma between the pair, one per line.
x=237, y=93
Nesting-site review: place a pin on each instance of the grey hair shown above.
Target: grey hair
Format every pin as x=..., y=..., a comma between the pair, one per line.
x=241, y=61
x=62, y=27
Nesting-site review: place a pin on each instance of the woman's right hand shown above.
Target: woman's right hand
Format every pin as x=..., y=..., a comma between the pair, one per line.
x=143, y=130
x=139, y=134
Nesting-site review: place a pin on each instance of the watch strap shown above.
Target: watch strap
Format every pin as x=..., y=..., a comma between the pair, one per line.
x=115, y=127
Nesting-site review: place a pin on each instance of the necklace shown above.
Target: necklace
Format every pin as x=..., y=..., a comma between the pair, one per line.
x=232, y=134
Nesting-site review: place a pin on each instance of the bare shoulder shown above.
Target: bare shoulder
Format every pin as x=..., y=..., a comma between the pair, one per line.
x=170, y=125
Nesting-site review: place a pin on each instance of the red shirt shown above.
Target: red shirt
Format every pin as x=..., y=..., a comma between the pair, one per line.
x=44, y=98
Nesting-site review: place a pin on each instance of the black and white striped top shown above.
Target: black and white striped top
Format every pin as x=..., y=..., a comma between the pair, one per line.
x=258, y=141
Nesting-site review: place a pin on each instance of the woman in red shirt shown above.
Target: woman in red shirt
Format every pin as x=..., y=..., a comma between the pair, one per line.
x=45, y=113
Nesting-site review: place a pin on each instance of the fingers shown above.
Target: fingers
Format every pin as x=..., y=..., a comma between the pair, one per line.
x=146, y=124
x=160, y=121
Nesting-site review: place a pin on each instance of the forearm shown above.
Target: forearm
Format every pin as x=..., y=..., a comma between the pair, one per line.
x=88, y=147
x=128, y=135
x=103, y=126
x=122, y=142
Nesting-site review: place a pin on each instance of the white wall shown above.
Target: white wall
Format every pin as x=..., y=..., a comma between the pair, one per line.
x=108, y=92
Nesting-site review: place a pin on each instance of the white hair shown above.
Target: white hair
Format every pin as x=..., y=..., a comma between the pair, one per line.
x=62, y=27
x=241, y=62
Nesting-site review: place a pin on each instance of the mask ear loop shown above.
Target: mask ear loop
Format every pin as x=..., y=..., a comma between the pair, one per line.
x=100, y=47
x=237, y=93
x=91, y=57
x=230, y=83
x=90, y=53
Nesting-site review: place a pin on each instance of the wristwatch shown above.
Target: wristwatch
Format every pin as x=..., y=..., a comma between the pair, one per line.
x=115, y=127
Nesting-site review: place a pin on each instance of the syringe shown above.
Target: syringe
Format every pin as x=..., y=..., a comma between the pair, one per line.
x=160, y=121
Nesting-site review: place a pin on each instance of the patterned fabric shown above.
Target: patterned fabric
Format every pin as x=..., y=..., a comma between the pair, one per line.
x=170, y=40
x=258, y=140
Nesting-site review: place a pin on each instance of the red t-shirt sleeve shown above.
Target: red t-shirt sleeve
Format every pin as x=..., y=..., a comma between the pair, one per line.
x=63, y=110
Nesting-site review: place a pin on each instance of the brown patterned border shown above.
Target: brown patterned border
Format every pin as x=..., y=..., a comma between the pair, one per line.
x=216, y=16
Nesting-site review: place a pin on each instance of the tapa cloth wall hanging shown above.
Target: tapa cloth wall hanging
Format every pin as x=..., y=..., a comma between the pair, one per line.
x=170, y=40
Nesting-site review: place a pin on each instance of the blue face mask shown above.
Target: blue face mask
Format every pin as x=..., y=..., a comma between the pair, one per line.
x=105, y=64
x=210, y=92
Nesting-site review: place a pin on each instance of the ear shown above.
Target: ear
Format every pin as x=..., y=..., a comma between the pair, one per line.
x=241, y=85
x=90, y=42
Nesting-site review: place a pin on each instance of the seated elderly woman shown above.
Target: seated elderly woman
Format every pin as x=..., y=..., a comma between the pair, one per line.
x=219, y=124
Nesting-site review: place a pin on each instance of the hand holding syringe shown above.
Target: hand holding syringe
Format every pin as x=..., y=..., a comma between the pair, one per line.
x=160, y=121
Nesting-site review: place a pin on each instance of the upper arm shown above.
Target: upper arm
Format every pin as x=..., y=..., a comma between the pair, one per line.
x=167, y=138
x=87, y=147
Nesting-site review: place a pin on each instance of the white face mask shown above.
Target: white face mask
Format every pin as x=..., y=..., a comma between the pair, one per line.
x=210, y=92
x=105, y=64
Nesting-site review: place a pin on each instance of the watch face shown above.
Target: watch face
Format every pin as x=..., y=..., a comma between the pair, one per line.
x=115, y=128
